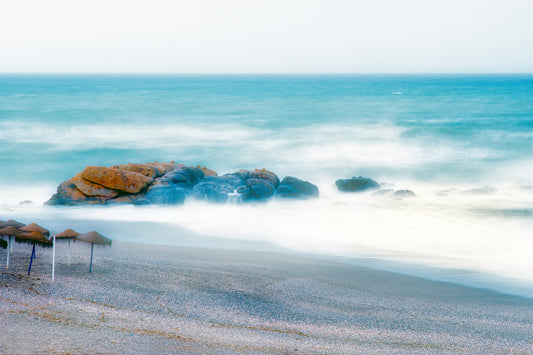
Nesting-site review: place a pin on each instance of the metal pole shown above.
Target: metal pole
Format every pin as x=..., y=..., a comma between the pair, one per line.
x=54, y=259
x=91, y=265
x=31, y=259
x=8, y=246
x=68, y=254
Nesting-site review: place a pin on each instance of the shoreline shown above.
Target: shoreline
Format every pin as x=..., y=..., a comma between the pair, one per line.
x=143, y=298
x=176, y=235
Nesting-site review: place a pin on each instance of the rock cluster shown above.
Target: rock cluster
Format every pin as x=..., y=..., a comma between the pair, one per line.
x=172, y=183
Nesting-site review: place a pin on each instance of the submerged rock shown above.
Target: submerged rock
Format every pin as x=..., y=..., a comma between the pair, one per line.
x=291, y=187
x=404, y=194
x=356, y=184
x=486, y=190
x=383, y=192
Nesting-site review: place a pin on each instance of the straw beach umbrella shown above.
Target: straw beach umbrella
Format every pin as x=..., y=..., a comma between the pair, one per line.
x=3, y=243
x=34, y=237
x=10, y=232
x=34, y=227
x=11, y=223
x=94, y=238
x=67, y=234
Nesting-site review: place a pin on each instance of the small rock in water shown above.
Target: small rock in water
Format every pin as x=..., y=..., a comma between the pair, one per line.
x=382, y=192
x=404, y=194
x=356, y=184
x=291, y=187
x=487, y=190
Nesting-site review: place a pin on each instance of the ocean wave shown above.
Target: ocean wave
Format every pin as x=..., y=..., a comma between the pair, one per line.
x=326, y=146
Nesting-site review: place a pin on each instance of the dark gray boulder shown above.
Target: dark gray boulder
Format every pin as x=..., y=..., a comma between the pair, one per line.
x=257, y=189
x=185, y=177
x=291, y=187
x=263, y=174
x=166, y=195
x=173, y=187
x=217, y=188
x=356, y=184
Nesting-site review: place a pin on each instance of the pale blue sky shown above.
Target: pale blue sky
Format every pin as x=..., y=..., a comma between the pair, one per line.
x=266, y=36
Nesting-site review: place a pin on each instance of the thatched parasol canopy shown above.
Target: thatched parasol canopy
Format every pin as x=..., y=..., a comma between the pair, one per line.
x=94, y=238
x=10, y=231
x=12, y=223
x=34, y=237
x=67, y=233
x=33, y=227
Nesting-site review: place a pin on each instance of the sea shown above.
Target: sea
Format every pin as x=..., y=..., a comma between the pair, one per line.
x=463, y=144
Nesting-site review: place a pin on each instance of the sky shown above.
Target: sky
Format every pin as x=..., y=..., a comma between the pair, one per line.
x=266, y=36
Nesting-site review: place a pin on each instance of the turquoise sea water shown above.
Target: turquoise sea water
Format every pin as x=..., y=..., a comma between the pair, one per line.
x=462, y=143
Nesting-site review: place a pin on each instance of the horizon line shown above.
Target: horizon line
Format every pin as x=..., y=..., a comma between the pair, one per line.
x=262, y=73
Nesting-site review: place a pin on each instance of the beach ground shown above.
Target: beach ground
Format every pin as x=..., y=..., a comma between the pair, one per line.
x=168, y=299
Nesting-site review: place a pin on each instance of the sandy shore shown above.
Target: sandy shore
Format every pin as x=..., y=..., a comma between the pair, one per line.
x=168, y=299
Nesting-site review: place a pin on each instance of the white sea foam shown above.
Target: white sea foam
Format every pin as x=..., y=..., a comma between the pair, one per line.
x=450, y=230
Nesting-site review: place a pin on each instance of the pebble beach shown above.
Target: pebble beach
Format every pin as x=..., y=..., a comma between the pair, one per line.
x=143, y=298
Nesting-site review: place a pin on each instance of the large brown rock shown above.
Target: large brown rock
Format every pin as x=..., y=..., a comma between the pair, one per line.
x=152, y=170
x=68, y=190
x=163, y=168
x=143, y=169
x=91, y=189
x=69, y=194
x=121, y=180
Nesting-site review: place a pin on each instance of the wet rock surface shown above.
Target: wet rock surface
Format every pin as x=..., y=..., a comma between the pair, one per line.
x=171, y=183
x=356, y=184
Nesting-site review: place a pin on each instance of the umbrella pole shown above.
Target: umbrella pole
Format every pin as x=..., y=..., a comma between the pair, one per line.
x=54, y=259
x=31, y=259
x=91, y=265
x=68, y=253
x=8, y=246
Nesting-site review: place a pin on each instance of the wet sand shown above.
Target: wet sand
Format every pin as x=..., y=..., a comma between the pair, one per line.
x=169, y=299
